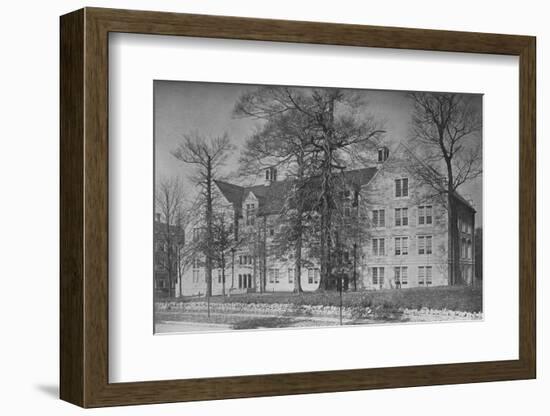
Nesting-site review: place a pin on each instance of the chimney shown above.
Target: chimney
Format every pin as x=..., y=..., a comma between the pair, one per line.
x=270, y=176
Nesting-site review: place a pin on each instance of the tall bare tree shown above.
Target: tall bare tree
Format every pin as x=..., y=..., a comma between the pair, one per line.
x=336, y=127
x=207, y=155
x=448, y=126
x=282, y=143
x=222, y=243
x=169, y=203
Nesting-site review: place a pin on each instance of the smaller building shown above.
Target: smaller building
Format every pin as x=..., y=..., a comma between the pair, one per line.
x=169, y=241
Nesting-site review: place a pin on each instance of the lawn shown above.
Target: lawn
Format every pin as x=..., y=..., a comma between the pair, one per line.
x=456, y=298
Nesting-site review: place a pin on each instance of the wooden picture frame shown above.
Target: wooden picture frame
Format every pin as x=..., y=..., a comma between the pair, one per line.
x=84, y=207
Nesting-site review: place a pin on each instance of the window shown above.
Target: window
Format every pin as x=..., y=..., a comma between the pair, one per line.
x=313, y=275
x=401, y=275
x=401, y=246
x=425, y=214
x=425, y=244
x=383, y=153
x=250, y=214
x=273, y=275
x=290, y=275
x=196, y=263
x=378, y=276
x=379, y=218
x=424, y=275
x=378, y=247
x=196, y=276
x=196, y=234
x=245, y=281
x=347, y=209
x=401, y=217
x=345, y=257
x=220, y=277
x=271, y=232
x=245, y=260
x=401, y=187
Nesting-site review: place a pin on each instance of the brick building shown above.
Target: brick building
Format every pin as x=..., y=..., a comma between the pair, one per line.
x=169, y=241
x=403, y=243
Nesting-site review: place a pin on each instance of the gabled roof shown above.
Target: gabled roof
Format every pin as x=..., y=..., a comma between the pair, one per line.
x=455, y=194
x=358, y=177
x=233, y=193
x=272, y=197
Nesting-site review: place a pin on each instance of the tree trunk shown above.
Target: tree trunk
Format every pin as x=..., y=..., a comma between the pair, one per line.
x=299, y=201
x=180, y=273
x=454, y=245
x=232, y=269
x=298, y=264
x=264, y=249
x=326, y=221
x=209, y=231
x=326, y=209
x=355, y=267
x=223, y=274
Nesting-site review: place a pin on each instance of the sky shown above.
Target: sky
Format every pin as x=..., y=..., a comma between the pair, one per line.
x=182, y=107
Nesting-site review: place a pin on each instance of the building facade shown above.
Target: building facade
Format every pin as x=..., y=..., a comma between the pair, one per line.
x=169, y=241
x=401, y=234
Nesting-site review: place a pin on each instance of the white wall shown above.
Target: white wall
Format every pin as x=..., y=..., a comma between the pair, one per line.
x=29, y=212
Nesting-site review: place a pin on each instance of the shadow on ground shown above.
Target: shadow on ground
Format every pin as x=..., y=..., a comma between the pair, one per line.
x=265, y=322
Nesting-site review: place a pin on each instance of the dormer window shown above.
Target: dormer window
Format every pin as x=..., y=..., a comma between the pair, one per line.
x=270, y=175
x=250, y=214
x=401, y=187
x=383, y=153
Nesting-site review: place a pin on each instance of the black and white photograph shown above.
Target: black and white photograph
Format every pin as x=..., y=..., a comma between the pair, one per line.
x=282, y=207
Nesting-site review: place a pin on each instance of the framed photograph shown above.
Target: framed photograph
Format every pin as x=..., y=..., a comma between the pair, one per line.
x=263, y=207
